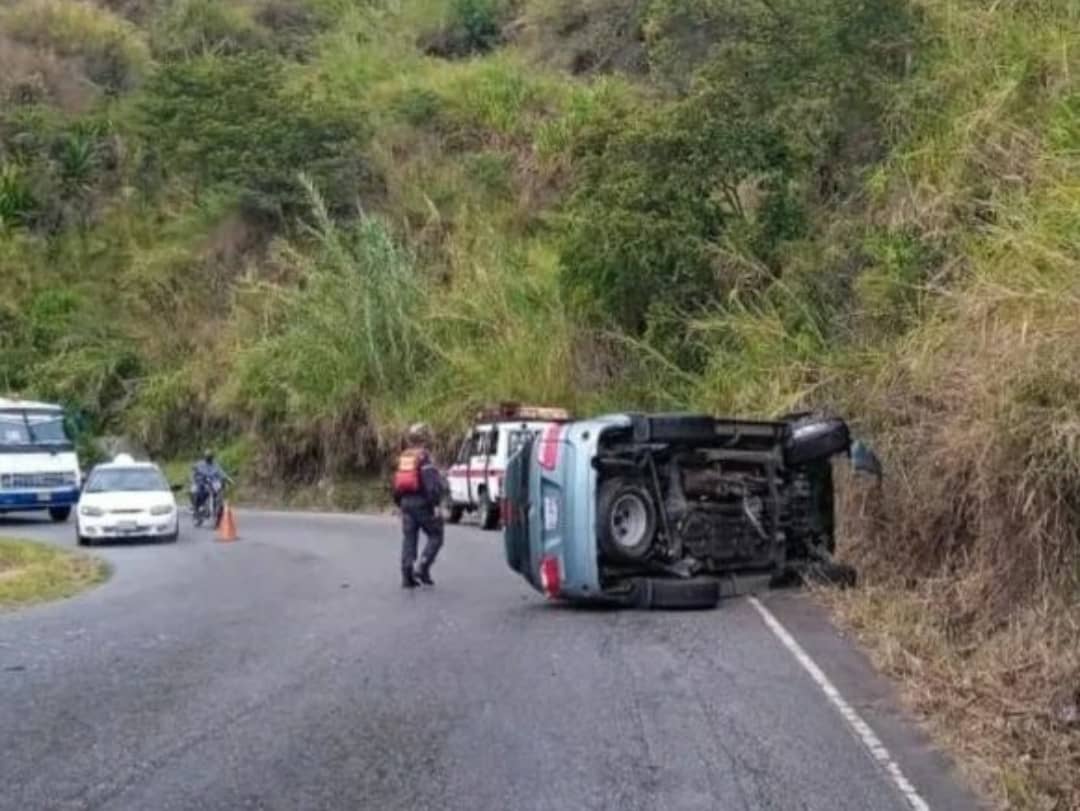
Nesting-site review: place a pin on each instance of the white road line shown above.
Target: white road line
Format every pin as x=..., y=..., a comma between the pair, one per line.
x=861, y=729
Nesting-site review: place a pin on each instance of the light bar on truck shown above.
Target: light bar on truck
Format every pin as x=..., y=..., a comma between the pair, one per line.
x=516, y=411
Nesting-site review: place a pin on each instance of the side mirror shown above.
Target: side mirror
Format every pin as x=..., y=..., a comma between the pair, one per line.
x=864, y=460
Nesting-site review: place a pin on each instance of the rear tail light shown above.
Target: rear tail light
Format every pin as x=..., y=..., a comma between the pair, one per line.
x=549, y=446
x=550, y=576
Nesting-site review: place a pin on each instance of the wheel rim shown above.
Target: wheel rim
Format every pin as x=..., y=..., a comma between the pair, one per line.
x=629, y=521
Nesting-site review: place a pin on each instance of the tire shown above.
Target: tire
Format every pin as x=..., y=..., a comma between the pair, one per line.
x=489, y=513
x=455, y=513
x=626, y=520
x=172, y=537
x=672, y=594
x=811, y=440
x=59, y=514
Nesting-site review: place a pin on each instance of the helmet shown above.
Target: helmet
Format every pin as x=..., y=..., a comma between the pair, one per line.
x=419, y=433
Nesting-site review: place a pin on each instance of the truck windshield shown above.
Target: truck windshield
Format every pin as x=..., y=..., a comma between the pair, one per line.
x=30, y=430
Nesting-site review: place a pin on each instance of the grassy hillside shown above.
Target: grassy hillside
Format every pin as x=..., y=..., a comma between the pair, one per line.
x=291, y=226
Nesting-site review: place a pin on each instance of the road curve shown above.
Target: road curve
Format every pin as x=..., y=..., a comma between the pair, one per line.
x=288, y=671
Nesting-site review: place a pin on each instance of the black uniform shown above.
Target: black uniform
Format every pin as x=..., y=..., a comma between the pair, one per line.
x=419, y=512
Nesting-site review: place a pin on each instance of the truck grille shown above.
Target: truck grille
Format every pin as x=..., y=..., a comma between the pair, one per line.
x=36, y=481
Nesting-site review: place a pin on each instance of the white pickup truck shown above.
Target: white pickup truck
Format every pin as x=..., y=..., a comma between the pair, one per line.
x=476, y=477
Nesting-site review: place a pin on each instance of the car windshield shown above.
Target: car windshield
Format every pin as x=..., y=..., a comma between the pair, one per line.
x=127, y=480
x=30, y=429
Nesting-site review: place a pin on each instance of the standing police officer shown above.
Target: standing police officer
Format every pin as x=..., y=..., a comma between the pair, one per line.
x=418, y=492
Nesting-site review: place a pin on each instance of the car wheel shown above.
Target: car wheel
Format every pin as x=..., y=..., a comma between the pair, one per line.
x=627, y=519
x=674, y=594
x=489, y=513
x=455, y=513
x=59, y=514
x=810, y=440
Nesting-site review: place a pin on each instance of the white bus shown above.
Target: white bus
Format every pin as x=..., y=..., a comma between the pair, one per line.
x=39, y=469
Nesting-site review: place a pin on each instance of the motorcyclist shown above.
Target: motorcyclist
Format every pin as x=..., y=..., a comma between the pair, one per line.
x=203, y=473
x=418, y=491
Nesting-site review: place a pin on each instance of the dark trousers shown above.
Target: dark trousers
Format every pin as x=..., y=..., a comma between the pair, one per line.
x=414, y=519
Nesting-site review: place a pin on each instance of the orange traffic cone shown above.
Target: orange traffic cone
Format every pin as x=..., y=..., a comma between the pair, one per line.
x=227, y=528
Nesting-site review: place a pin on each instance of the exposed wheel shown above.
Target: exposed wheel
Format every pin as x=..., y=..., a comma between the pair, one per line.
x=489, y=513
x=626, y=519
x=674, y=594
x=455, y=513
x=812, y=439
x=59, y=514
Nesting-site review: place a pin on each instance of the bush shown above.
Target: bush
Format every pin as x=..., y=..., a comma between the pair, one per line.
x=255, y=135
x=473, y=27
x=658, y=197
x=113, y=51
x=351, y=336
x=196, y=27
x=17, y=202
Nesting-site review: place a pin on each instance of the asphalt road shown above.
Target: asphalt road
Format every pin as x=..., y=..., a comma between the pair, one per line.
x=289, y=671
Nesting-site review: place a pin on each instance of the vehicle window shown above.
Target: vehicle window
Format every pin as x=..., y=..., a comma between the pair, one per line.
x=24, y=428
x=492, y=442
x=28, y=429
x=464, y=450
x=517, y=439
x=47, y=429
x=476, y=445
x=127, y=480
x=13, y=430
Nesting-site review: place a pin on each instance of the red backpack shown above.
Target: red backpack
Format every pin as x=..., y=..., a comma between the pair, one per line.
x=407, y=478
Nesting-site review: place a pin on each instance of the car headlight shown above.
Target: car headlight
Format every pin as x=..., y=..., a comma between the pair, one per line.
x=91, y=511
x=161, y=509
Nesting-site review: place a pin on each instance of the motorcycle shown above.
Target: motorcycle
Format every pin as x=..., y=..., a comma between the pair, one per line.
x=213, y=503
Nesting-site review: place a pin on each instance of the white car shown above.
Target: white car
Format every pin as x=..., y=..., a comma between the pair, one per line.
x=127, y=499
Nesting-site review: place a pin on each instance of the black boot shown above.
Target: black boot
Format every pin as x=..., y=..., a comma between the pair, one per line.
x=408, y=579
x=423, y=574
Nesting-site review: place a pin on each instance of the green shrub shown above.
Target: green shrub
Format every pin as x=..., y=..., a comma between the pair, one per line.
x=114, y=52
x=350, y=334
x=196, y=27
x=662, y=195
x=255, y=135
x=17, y=202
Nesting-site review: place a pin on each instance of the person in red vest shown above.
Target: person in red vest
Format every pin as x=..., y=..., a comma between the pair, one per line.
x=418, y=492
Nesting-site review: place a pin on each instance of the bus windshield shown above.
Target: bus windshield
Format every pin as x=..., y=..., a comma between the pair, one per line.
x=31, y=430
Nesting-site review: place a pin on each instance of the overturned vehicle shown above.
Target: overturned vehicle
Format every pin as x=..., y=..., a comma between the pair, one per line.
x=675, y=510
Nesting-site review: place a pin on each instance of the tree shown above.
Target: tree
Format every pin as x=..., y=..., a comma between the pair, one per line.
x=230, y=120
